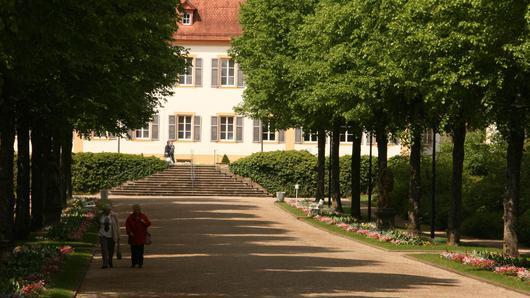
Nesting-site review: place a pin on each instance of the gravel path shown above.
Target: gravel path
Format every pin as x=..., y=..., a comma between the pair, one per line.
x=247, y=247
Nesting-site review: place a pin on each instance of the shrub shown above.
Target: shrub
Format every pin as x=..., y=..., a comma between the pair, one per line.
x=280, y=171
x=225, y=160
x=92, y=172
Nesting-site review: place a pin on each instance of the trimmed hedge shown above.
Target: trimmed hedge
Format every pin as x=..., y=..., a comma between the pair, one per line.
x=92, y=172
x=281, y=170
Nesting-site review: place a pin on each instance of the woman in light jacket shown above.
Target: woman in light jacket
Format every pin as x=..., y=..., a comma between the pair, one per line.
x=109, y=230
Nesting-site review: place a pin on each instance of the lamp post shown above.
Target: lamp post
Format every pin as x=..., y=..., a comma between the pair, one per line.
x=329, y=172
x=370, y=179
x=296, y=187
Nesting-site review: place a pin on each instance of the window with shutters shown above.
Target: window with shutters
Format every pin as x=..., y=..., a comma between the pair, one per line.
x=310, y=136
x=226, y=73
x=192, y=75
x=149, y=132
x=226, y=132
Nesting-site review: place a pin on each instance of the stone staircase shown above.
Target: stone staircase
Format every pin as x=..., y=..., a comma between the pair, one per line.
x=177, y=181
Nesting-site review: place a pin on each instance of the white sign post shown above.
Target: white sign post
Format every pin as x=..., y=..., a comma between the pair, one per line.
x=296, y=187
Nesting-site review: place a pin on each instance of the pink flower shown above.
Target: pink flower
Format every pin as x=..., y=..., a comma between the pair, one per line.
x=478, y=262
x=520, y=272
x=343, y=226
x=66, y=250
x=33, y=289
x=453, y=256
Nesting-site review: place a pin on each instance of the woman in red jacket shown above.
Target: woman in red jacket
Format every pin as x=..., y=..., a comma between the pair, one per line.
x=136, y=226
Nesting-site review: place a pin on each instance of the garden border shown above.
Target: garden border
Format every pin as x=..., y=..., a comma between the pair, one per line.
x=478, y=278
x=398, y=250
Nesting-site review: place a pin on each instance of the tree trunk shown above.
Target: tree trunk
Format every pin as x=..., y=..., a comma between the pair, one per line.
x=356, y=172
x=321, y=164
x=384, y=174
x=67, y=163
x=455, y=211
x=7, y=139
x=52, y=202
x=335, y=167
x=37, y=177
x=512, y=188
x=414, y=226
x=23, y=221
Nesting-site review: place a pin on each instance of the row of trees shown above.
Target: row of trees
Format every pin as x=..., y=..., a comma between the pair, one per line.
x=86, y=66
x=388, y=67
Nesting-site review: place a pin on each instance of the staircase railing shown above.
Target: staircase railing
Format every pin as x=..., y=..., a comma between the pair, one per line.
x=192, y=169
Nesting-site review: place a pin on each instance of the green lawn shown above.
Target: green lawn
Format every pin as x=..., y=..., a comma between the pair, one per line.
x=373, y=242
x=65, y=282
x=492, y=277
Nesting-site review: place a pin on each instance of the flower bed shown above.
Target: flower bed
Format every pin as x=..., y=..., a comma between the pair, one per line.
x=27, y=269
x=75, y=220
x=492, y=262
x=368, y=230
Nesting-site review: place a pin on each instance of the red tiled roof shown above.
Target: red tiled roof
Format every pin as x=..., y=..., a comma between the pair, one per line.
x=214, y=20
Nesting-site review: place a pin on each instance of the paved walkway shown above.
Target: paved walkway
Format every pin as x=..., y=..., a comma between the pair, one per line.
x=247, y=247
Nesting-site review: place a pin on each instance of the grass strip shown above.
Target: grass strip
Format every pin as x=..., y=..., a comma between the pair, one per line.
x=376, y=243
x=502, y=280
x=66, y=282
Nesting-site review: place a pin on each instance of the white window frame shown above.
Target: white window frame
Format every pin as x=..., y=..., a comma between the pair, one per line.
x=186, y=124
x=266, y=134
x=225, y=72
x=187, y=18
x=312, y=136
x=190, y=75
x=143, y=133
x=346, y=137
x=224, y=128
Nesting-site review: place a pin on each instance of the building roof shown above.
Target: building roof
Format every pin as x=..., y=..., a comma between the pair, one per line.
x=213, y=20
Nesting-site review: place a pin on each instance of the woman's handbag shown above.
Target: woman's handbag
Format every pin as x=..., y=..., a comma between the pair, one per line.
x=148, y=239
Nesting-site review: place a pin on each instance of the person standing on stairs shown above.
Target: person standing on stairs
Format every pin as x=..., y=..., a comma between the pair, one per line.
x=169, y=151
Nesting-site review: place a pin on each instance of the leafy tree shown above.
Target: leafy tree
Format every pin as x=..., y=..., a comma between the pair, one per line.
x=265, y=51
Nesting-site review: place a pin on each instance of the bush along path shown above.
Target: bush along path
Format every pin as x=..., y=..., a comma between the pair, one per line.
x=367, y=232
x=54, y=263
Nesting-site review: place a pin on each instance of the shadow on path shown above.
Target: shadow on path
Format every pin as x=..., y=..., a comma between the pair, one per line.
x=210, y=248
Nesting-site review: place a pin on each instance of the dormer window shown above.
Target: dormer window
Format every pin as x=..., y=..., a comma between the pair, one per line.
x=187, y=18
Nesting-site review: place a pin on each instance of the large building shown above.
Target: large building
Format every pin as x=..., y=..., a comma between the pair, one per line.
x=199, y=117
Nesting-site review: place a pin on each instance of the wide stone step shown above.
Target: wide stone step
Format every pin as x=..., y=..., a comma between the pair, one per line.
x=177, y=181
